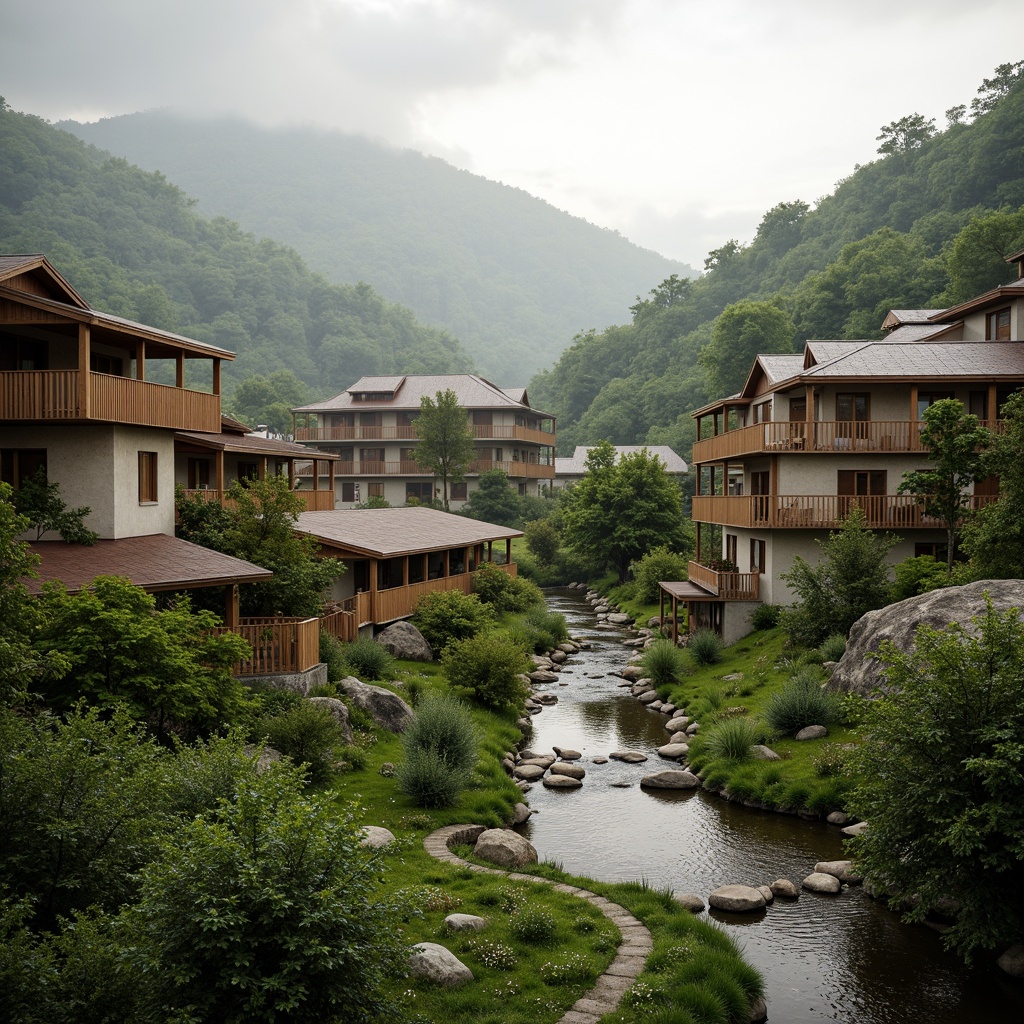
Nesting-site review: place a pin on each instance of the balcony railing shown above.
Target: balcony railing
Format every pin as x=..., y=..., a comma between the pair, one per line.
x=533, y=470
x=406, y=467
x=831, y=436
x=280, y=645
x=729, y=586
x=407, y=432
x=818, y=511
x=316, y=501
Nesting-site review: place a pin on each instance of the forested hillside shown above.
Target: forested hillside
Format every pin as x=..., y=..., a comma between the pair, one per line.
x=509, y=275
x=925, y=225
x=135, y=245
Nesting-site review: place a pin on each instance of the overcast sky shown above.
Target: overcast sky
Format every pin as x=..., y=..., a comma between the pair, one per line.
x=674, y=122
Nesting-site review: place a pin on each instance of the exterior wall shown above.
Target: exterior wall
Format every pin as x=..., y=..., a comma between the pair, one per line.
x=133, y=519
x=737, y=620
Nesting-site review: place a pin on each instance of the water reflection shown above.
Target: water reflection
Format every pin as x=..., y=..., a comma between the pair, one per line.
x=825, y=958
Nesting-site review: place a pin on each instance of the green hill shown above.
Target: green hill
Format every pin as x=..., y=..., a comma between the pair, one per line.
x=508, y=274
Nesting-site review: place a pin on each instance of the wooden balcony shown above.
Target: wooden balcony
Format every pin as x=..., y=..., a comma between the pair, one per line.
x=316, y=501
x=56, y=396
x=729, y=586
x=817, y=511
x=280, y=645
x=835, y=437
x=407, y=432
x=406, y=467
x=531, y=470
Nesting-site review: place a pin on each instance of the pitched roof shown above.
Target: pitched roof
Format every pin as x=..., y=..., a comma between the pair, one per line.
x=917, y=332
x=780, y=367
x=390, y=532
x=899, y=317
x=155, y=562
x=250, y=444
x=941, y=359
x=472, y=391
x=1003, y=293
x=575, y=465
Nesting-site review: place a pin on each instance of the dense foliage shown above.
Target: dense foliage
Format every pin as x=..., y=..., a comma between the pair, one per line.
x=443, y=616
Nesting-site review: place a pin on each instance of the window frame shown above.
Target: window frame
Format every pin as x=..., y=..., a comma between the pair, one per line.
x=149, y=478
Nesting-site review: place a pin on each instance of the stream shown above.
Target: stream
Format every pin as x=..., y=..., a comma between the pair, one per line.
x=824, y=958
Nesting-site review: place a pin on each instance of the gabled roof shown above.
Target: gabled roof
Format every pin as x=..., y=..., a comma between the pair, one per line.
x=900, y=317
x=391, y=532
x=575, y=465
x=472, y=391
x=919, y=332
x=1004, y=293
x=35, y=269
x=961, y=360
x=155, y=562
x=249, y=444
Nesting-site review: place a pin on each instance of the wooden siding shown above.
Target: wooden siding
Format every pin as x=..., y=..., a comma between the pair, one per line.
x=533, y=470
x=817, y=511
x=39, y=395
x=407, y=468
x=729, y=586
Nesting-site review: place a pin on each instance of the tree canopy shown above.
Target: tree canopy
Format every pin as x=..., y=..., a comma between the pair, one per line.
x=444, y=440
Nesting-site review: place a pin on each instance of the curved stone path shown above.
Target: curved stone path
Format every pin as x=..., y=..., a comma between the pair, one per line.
x=629, y=961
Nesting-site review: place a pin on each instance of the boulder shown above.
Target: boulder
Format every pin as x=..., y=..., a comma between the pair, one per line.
x=387, y=709
x=546, y=698
x=528, y=772
x=758, y=1010
x=465, y=923
x=1012, y=961
x=264, y=756
x=505, y=848
x=375, y=836
x=856, y=830
x=441, y=966
x=818, y=881
x=562, y=782
x=671, y=779
x=838, y=818
x=572, y=771
x=648, y=696
x=812, y=732
x=842, y=869
x=762, y=753
x=691, y=901
x=740, y=899
x=784, y=888
x=858, y=673
x=653, y=621
x=632, y=672
x=629, y=756
x=619, y=619
x=543, y=760
x=766, y=892
x=404, y=640
x=567, y=754
x=521, y=814
x=679, y=737
x=543, y=675
x=338, y=710
x=674, y=751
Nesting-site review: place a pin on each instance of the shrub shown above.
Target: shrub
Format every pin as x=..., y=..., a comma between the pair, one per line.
x=766, y=616
x=306, y=733
x=503, y=592
x=664, y=663
x=429, y=779
x=443, y=724
x=489, y=666
x=543, y=541
x=832, y=647
x=533, y=926
x=801, y=702
x=332, y=655
x=368, y=660
x=705, y=646
x=732, y=738
x=443, y=616
x=918, y=576
x=658, y=564
x=553, y=624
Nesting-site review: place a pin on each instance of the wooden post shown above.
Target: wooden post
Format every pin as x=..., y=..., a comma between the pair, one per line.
x=179, y=369
x=991, y=404
x=405, y=571
x=219, y=462
x=231, y=615
x=140, y=360
x=263, y=467
x=84, y=364
x=446, y=571
x=216, y=377
x=508, y=550
x=373, y=589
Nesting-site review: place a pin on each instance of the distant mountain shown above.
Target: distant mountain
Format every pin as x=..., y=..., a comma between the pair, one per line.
x=512, y=277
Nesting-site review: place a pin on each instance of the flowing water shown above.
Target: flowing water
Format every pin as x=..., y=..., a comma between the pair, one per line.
x=824, y=958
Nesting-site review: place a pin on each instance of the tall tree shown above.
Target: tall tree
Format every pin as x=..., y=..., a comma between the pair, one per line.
x=956, y=445
x=444, y=439
x=993, y=89
x=906, y=134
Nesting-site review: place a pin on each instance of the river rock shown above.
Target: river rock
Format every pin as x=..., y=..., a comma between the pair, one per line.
x=671, y=779
x=375, y=836
x=567, y=754
x=619, y=619
x=1012, y=961
x=632, y=672
x=573, y=771
x=758, y=1010
x=858, y=673
x=601, y=609
x=521, y=814
x=838, y=818
x=524, y=725
x=387, y=709
x=785, y=888
x=842, y=869
x=505, y=848
x=740, y=899
x=465, y=923
x=561, y=782
x=693, y=728
x=338, y=710
x=648, y=697
x=674, y=751
x=434, y=963
x=812, y=732
x=817, y=881
x=543, y=675
x=558, y=657
x=762, y=753
x=691, y=901
x=856, y=830
x=599, y=760
x=568, y=648
x=546, y=698
x=528, y=772
x=629, y=756
x=403, y=640
x=766, y=892
x=679, y=737
x=641, y=686
x=544, y=761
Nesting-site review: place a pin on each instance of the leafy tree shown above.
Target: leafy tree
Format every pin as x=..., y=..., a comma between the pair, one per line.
x=940, y=778
x=269, y=399
x=41, y=504
x=956, y=446
x=743, y=330
x=446, y=615
x=620, y=510
x=993, y=89
x=906, y=134
x=851, y=578
x=658, y=565
x=169, y=667
x=493, y=501
x=543, y=540
x=977, y=258
x=265, y=911
x=444, y=444
x=489, y=666
x=955, y=114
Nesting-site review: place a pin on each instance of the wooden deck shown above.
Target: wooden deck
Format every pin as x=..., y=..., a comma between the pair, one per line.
x=729, y=586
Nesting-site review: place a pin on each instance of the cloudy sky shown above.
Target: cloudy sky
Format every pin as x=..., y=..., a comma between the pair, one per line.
x=674, y=122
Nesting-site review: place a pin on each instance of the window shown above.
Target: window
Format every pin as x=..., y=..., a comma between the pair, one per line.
x=852, y=408
x=762, y=412
x=99, y=362
x=730, y=548
x=757, y=556
x=418, y=491
x=24, y=354
x=349, y=491
x=407, y=454
x=458, y=492
x=853, y=482
x=375, y=488
x=925, y=399
x=148, y=493
x=371, y=454
x=997, y=325
x=522, y=490
x=17, y=464
x=198, y=474
x=937, y=551
x=248, y=471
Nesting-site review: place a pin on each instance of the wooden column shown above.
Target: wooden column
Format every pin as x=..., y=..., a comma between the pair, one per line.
x=179, y=369
x=231, y=615
x=508, y=550
x=405, y=571
x=216, y=377
x=373, y=589
x=446, y=570
x=84, y=363
x=219, y=463
x=316, y=476
x=330, y=470
x=263, y=467
x=992, y=402
x=140, y=360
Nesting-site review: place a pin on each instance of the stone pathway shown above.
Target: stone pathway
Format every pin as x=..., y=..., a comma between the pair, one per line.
x=636, y=944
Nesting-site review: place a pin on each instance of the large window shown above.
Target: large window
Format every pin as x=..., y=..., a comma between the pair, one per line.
x=375, y=488
x=997, y=325
x=418, y=491
x=758, y=555
x=148, y=493
x=198, y=474
x=371, y=455
x=458, y=492
x=349, y=491
x=17, y=464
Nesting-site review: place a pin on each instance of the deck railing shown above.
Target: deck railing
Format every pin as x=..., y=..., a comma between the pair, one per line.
x=407, y=432
x=406, y=467
x=729, y=586
x=280, y=646
x=39, y=395
x=316, y=501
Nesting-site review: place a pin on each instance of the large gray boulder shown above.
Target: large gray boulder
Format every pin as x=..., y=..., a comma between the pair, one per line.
x=740, y=899
x=387, y=709
x=437, y=964
x=404, y=640
x=670, y=779
x=338, y=710
x=857, y=673
x=505, y=848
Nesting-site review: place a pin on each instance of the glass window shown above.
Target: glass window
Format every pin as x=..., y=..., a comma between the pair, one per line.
x=148, y=493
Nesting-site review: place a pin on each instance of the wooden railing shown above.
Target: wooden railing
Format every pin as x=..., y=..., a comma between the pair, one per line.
x=343, y=623
x=407, y=432
x=126, y=400
x=831, y=436
x=818, y=511
x=279, y=645
x=530, y=435
x=39, y=395
x=406, y=467
x=533, y=470
x=316, y=501
x=729, y=586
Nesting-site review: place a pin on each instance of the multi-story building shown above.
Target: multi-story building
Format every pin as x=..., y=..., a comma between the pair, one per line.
x=572, y=469
x=810, y=435
x=371, y=426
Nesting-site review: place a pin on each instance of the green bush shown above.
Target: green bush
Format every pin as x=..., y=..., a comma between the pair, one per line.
x=918, y=576
x=488, y=666
x=536, y=927
x=443, y=616
x=732, y=738
x=332, y=655
x=658, y=564
x=705, y=647
x=832, y=647
x=553, y=624
x=368, y=660
x=664, y=663
x=766, y=616
x=801, y=702
x=543, y=541
x=503, y=592
x=429, y=779
x=443, y=724
x=306, y=733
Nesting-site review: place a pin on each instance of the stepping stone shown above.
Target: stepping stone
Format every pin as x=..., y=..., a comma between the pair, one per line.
x=573, y=771
x=562, y=782
x=671, y=779
x=739, y=899
x=785, y=888
x=629, y=756
x=819, y=882
x=566, y=754
x=842, y=869
x=674, y=751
